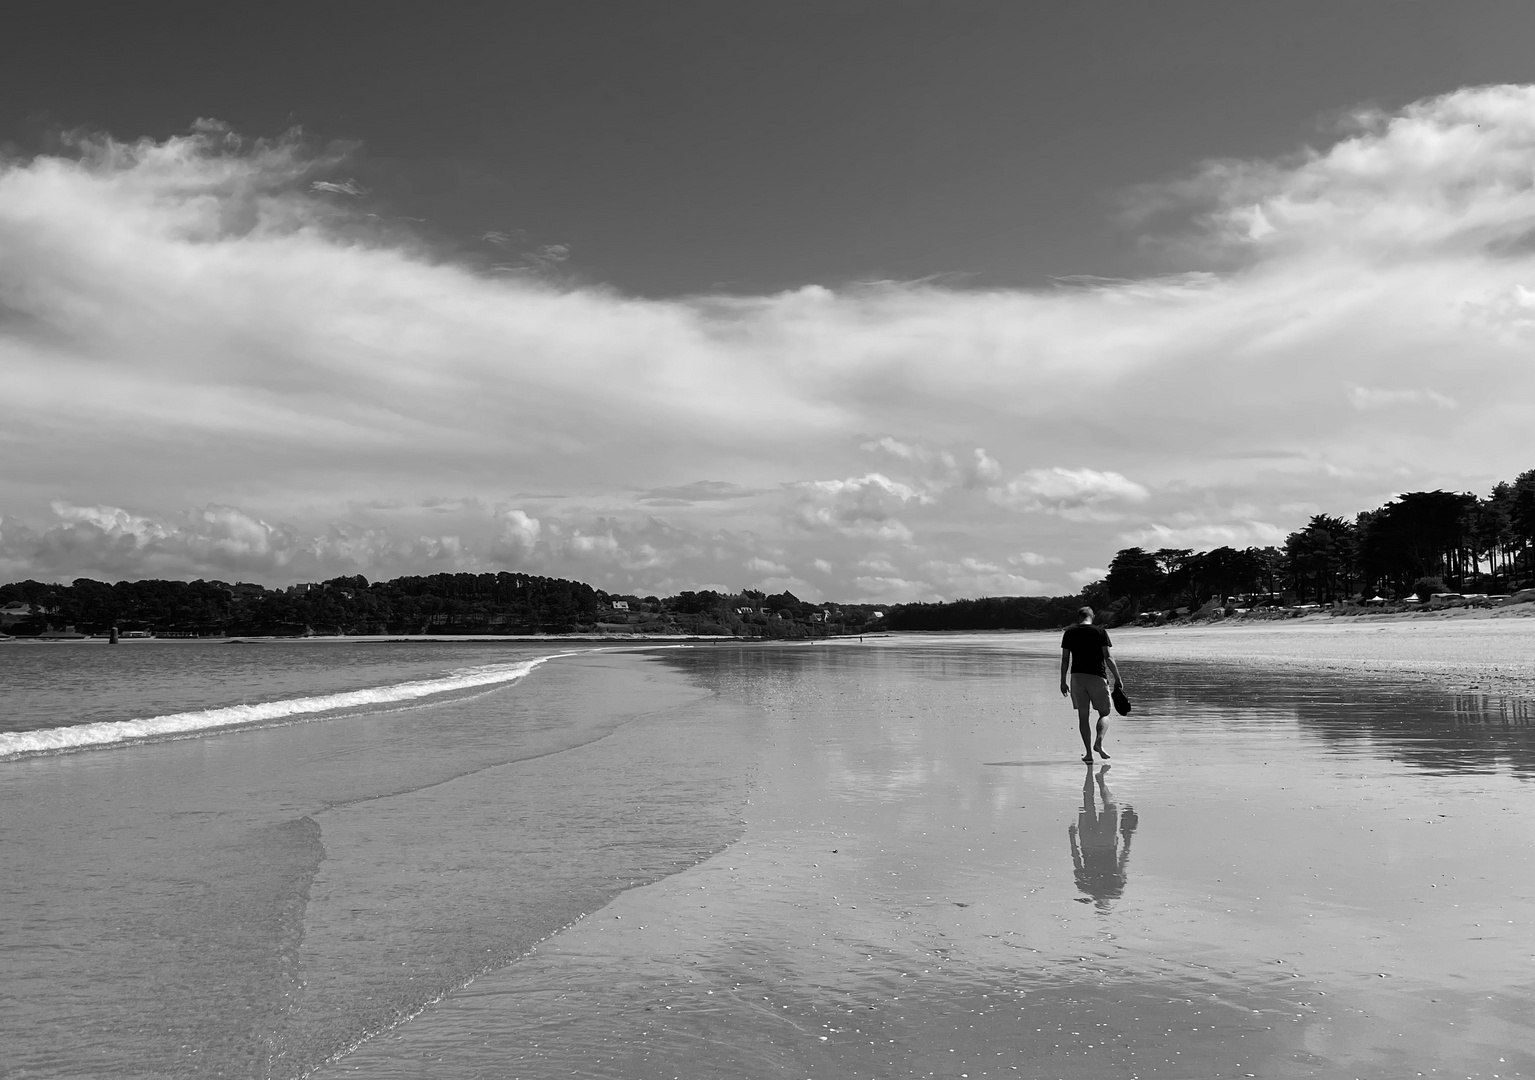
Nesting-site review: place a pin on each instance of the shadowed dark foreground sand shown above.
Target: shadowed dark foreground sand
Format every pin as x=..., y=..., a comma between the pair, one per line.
x=1293, y=874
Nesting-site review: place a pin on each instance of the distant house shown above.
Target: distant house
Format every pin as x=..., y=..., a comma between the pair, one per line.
x=620, y=605
x=876, y=614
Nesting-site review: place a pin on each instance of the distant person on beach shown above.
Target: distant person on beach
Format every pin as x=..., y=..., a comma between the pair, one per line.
x=1085, y=666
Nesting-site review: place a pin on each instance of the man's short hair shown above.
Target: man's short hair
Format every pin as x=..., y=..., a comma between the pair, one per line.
x=1085, y=612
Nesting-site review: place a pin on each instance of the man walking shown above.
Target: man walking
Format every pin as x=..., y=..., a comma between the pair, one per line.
x=1085, y=664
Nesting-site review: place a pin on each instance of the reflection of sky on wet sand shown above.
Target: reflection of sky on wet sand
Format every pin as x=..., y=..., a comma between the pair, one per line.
x=1329, y=879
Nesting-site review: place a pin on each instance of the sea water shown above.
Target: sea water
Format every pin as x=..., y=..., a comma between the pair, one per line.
x=243, y=860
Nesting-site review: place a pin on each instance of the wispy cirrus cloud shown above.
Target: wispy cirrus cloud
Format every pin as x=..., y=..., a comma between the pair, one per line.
x=1365, y=398
x=212, y=321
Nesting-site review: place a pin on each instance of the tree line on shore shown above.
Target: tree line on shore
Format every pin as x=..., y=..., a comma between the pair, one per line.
x=1416, y=545
x=503, y=603
x=1421, y=542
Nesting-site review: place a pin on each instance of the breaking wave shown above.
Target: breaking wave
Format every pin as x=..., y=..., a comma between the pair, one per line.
x=172, y=725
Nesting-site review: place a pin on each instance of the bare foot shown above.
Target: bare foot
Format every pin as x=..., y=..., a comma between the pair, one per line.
x=1102, y=752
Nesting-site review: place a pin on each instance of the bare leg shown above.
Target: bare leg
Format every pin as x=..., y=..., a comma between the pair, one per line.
x=1085, y=727
x=1103, y=726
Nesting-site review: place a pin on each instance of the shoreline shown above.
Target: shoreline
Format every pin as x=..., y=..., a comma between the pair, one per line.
x=407, y=639
x=1477, y=650
x=339, y=877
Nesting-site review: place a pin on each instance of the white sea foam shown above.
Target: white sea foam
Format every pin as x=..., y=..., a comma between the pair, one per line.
x=108, y=733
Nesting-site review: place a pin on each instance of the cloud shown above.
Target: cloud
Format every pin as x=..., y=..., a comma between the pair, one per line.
x=939, y=468
x=892, y=590
x=542, y=260
x=875, y=484
x=519, y=532
x=214, y=541
x=1447, y=175
x=1364, y=398
x=1069, y=492
x=861, y=506
x=208, y=325
x=601, y=544
x=978, y=577
x=699, y=491
x=344, y=187
x=1206, y=536
x=1030, y=558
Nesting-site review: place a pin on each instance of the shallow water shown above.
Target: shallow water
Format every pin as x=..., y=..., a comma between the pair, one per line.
x=73, y=695
x=1273, y=878
x=251, y=903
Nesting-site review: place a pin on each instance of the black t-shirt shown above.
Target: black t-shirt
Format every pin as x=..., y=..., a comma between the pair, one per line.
x=1087, y=643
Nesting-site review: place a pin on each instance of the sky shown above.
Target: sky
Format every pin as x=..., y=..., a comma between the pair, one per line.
x=869, y=301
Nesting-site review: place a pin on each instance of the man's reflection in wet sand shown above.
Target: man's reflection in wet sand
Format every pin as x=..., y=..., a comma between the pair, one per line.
x=1096, y=852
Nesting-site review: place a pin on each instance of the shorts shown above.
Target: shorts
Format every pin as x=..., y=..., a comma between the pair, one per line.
x=1090, y=690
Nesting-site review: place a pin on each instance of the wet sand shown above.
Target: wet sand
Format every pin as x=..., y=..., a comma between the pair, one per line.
x=1277, y=877
x=1467, y=651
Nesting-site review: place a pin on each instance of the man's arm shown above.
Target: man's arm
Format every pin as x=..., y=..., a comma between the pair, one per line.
x=1108, y=662
x=1065, y=670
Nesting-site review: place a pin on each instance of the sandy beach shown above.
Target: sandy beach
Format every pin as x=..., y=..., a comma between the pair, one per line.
x=1274, y=877
x=1309, y=856
x=1464, y=650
